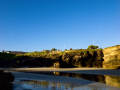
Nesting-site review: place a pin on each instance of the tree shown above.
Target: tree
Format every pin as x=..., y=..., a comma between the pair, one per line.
x=92, y=47
x=46, y=51
x=53, y=49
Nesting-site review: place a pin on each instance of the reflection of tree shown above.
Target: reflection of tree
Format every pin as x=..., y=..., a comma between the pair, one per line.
x=46, y=84
x=58, y=85
x=37, y=83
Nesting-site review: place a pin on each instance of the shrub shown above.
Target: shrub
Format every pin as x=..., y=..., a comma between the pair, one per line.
x=47, y=51
x=53, y=49
x=92, y=47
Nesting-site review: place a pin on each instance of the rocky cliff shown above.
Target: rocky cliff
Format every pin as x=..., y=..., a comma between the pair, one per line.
x=81, y=58
x=111, y=57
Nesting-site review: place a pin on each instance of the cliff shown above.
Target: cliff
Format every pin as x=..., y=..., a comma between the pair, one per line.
x=76, y=58
x=111, y=57
x=83, y=59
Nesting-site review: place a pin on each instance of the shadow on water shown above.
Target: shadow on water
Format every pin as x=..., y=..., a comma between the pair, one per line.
x=106, y=79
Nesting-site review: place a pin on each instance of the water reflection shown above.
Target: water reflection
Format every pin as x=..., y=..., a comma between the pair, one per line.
x=106, y=79
x=20, y=84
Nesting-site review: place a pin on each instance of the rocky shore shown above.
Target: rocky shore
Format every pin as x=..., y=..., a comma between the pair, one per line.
x=6, y=80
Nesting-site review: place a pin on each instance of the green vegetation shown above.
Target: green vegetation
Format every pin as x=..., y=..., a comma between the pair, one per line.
x=46, y=51
x=53, y=49
x=62, y=53
x=35, y=53
x=6, y=56
x=81, y=51
x=92, y=47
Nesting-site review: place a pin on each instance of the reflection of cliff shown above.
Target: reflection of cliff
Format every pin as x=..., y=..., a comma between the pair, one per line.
x=92, y=77
x=112, y=80
x=106, y=79
x=111, y=57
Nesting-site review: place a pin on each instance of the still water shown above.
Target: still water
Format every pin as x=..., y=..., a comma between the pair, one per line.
x=25, y=84
x=21, y=84
x=106, y=79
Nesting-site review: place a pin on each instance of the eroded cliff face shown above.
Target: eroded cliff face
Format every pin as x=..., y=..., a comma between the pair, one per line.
x=83, y=59
x=111, y=57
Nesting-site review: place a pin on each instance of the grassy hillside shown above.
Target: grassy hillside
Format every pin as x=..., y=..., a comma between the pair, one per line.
x=34, y=53
x=80, y=50
x=6, y=56
x=61, y=52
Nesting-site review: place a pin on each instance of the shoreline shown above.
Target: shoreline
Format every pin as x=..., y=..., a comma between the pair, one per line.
x=98, y=71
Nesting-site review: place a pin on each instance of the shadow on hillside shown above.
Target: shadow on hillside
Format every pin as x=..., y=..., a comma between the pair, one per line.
x=11, y=60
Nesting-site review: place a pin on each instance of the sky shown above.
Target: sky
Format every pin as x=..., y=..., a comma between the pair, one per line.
x=34, y=25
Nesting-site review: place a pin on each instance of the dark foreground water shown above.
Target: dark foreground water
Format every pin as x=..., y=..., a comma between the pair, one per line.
x=25, y=84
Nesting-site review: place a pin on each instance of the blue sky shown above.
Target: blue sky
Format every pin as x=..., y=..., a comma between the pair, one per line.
x=34, y=25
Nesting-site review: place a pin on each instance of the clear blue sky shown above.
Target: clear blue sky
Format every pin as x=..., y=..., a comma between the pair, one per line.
x=34, y=25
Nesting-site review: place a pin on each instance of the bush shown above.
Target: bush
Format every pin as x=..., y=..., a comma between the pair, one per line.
x=53, y=49
x=47, y=51
x=92, y=47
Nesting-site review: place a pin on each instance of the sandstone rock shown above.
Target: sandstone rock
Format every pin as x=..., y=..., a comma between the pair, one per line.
x=6, y=80
x=92, y=53
x=77, y=61
x=111, y=57
x=55, y=56
x=100, y=53
x=66, y=57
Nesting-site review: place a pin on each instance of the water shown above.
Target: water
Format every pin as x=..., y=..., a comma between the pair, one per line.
x=106, y=79
x=22, y=84
x=41, y=84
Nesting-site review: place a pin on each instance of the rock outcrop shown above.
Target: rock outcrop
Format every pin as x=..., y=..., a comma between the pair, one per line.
x=6, y=80
x=111, y=57
x=83, y=59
